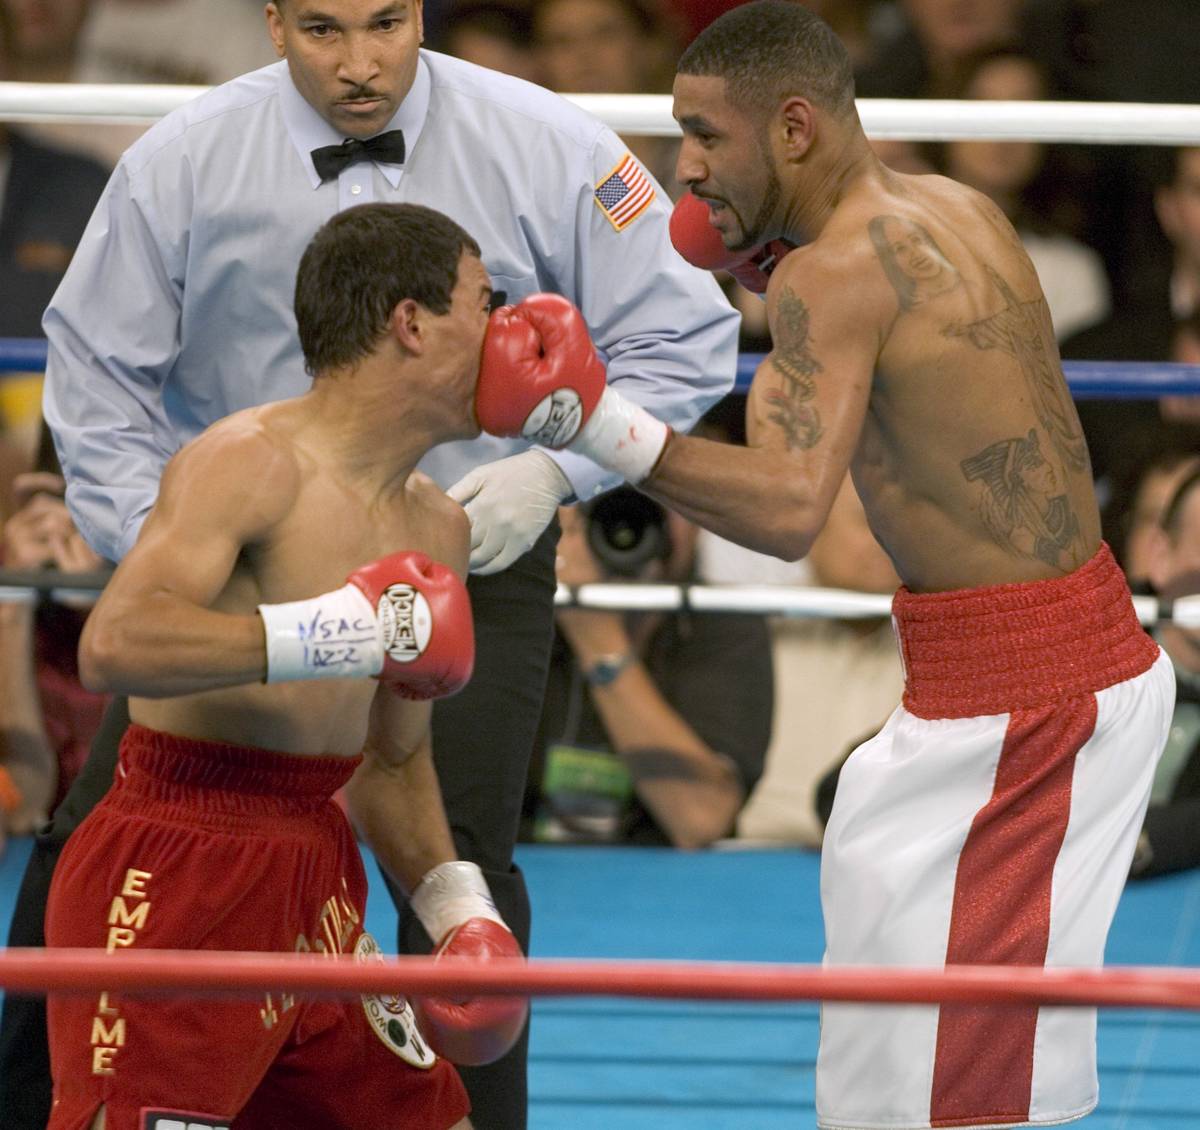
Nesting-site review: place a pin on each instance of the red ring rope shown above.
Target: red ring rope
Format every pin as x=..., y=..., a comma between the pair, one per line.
x=82, y=970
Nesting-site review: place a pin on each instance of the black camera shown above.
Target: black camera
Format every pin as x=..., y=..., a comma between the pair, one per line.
x=626, y=530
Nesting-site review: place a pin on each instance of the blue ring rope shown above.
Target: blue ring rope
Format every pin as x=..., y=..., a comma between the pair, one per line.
x=1131, y=380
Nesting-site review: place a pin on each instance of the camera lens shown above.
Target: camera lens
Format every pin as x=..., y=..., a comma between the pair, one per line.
x=626, y=530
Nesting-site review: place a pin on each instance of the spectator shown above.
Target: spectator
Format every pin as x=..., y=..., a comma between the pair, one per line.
x=927, y=54
x=46, y=197
x=133, y=41
x=1118, y=51
x=1133, y=517
x=1170, y=839
x=611, y=47
x=932, y=50
x=1015, y=175
x=1122, y=434
x=655, y=726
x=835, y=680
x=47, y=719
x=492, y=33
x=172, y=41
x=46, y=35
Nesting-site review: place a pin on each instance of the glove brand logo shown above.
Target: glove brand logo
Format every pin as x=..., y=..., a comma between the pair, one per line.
x=556, y=419
x=406, y=621
x=177, y=1120
x=392, y=1017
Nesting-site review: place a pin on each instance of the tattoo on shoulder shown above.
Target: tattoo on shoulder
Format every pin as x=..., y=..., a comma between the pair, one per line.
x=793, y=359
x=912, y=260
x=1024, y=506
x=1024, y=331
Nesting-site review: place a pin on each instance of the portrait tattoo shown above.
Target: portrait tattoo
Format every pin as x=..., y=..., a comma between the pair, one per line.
x=792, y=358
x=1024, y=331
x=912, y=260
x=1023, y=506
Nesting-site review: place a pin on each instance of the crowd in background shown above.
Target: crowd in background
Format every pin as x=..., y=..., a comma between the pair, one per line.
x=1114, y=232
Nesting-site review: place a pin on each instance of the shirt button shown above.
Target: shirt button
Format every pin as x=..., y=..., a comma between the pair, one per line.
x=355, y=189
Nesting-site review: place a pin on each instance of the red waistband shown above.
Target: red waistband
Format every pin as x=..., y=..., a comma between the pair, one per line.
x=163, y=764
x=1018, y=647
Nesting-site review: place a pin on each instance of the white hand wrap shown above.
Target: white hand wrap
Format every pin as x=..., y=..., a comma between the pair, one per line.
x=622, y=436
x=333, y=636
x=448, y=895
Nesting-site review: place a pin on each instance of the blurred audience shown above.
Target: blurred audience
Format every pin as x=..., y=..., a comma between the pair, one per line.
x=133, y=41
x=47, y=719
x=612, y=47
x=1158, y=325
x=934, y=46
x=655, y=725
x=1170, y=839
x=491, y=33
x=46, y=197
x=836, y=681
x=1118, y=51
x=1017, y=176
x=46, y=35
x=1133, y=515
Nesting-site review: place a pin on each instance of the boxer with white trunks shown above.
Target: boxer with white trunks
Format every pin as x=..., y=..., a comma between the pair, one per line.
x=994, y=818
x=254, y=699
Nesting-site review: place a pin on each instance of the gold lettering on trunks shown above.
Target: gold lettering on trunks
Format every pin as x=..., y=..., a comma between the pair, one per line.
x=127, y=914
x=123, y=923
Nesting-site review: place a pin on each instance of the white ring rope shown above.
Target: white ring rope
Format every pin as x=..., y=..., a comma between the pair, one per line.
x=1107, y=123
x=792, y=601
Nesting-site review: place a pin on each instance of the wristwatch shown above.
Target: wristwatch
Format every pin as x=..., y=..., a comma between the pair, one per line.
x=607, y=668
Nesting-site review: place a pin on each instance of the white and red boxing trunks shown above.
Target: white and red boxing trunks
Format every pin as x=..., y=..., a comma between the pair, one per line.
x=206, y=846
x=991, y=821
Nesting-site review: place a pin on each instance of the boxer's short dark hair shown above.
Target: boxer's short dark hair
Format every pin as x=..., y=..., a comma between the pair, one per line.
x=360, y=265
x=769, y=50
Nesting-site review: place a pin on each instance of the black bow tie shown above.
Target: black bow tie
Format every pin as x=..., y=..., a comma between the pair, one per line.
x=330, y=160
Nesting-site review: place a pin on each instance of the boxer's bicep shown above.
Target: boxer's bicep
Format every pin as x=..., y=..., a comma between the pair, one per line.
x=809, y=396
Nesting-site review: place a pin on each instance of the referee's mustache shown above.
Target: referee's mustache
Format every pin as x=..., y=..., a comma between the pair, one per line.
x=360, y=94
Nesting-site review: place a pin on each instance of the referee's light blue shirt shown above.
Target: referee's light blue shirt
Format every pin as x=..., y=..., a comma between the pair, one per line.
x=177, y=308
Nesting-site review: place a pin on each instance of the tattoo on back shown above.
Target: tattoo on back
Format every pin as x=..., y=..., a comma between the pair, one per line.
x=793, y=360
x=1023, y=506
x=912, y=260
x=1024, y=331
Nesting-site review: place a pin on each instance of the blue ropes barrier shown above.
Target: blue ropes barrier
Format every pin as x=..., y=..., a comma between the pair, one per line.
x=1130, y=380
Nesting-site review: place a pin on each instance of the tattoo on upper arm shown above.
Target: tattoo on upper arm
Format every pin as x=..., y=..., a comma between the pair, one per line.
x=1024, y=507
x=793, y=360
x=1024, y=331
x=912, y=260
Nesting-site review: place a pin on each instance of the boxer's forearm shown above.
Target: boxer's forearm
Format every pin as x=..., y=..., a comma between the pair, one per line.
x=755, y=497
x=397, y=809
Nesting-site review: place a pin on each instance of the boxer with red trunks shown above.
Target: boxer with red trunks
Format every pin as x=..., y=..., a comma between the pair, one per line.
x=254, y=701
x=994, y=818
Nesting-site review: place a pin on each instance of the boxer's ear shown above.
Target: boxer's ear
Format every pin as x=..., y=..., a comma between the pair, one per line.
x=797, y=126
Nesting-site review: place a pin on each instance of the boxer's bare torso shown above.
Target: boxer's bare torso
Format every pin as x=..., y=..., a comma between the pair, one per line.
x=912, y=345
x=970, y=460
x=303, y=510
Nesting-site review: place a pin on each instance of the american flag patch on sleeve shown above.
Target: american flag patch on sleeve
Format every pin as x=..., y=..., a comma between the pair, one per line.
x=625, y=193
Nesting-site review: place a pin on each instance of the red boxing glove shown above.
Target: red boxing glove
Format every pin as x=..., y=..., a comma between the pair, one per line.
x=539, y=375
x=701, y=245
x=424, y=614
x=475, y=1030
x=404, y=618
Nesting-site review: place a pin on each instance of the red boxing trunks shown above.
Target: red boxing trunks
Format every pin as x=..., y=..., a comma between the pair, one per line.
x=206, y=846
x=992, y=821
